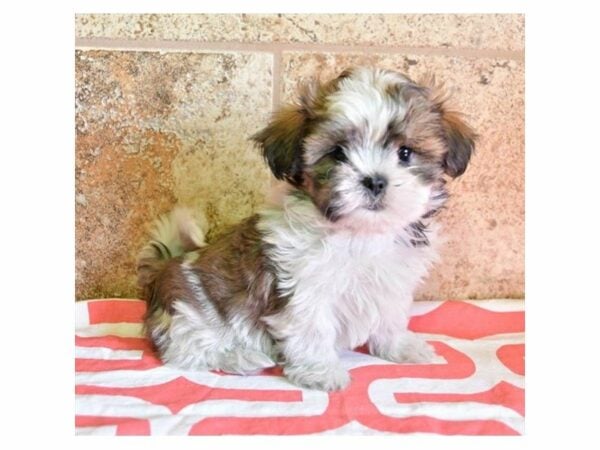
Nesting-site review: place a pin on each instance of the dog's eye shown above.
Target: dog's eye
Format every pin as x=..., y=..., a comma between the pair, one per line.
x=404, y=153
x=338, y=154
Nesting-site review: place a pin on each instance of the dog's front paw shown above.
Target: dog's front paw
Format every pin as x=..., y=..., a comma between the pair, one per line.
x=408, y=348
x=318, y=376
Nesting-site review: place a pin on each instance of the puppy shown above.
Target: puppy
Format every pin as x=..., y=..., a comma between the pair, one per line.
x=334, y=263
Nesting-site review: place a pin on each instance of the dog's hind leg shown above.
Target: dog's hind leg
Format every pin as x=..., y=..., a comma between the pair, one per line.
x=200, y=341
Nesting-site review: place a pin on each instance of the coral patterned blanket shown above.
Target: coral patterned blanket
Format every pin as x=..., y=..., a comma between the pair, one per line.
x=476, y=385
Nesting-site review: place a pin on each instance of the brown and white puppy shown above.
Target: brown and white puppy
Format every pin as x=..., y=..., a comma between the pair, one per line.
x=331, y=266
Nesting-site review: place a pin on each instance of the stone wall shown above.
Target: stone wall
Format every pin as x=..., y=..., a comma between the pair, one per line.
x=165, y=105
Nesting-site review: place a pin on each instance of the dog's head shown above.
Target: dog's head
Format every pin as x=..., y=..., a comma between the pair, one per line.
x=370, y=147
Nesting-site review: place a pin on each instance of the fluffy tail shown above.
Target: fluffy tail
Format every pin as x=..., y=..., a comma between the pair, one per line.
x=173, y=235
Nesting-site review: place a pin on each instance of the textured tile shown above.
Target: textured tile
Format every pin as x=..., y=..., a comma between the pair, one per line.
x=482, y=31
x=484, y=223
x=155, y=129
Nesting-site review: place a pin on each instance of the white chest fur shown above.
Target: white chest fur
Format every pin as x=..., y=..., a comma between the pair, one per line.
x=343, y=279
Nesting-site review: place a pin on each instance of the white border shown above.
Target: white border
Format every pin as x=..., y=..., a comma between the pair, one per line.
x=562, y=225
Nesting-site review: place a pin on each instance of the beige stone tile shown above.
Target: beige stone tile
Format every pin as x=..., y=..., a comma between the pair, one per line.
x=157, y=129
x=481, y=31
x=484, y=223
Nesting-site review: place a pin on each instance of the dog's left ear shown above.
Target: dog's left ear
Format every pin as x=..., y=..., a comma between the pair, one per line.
x=460, y=137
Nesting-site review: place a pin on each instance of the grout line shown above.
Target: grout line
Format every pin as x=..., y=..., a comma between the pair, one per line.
x=276, y=97
x=166, y=45
x=280, y=47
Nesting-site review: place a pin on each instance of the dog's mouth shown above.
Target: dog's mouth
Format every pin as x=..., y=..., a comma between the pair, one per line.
x=335, y=210
x=376, y=207
x=375, y=204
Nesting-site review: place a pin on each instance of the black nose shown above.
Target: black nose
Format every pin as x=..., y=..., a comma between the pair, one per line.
x=376, y=184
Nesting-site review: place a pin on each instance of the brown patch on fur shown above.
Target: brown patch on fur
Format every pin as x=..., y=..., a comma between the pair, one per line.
x=171, y=285
x=281, y=143
x=420, y=128
x=313, y=95
x=458, y=137
x=162, y=283
x=320, y=194
x=235, y=273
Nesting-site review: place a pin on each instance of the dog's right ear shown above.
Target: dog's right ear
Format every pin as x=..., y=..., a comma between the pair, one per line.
x=281, y=143
x=458, y=135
